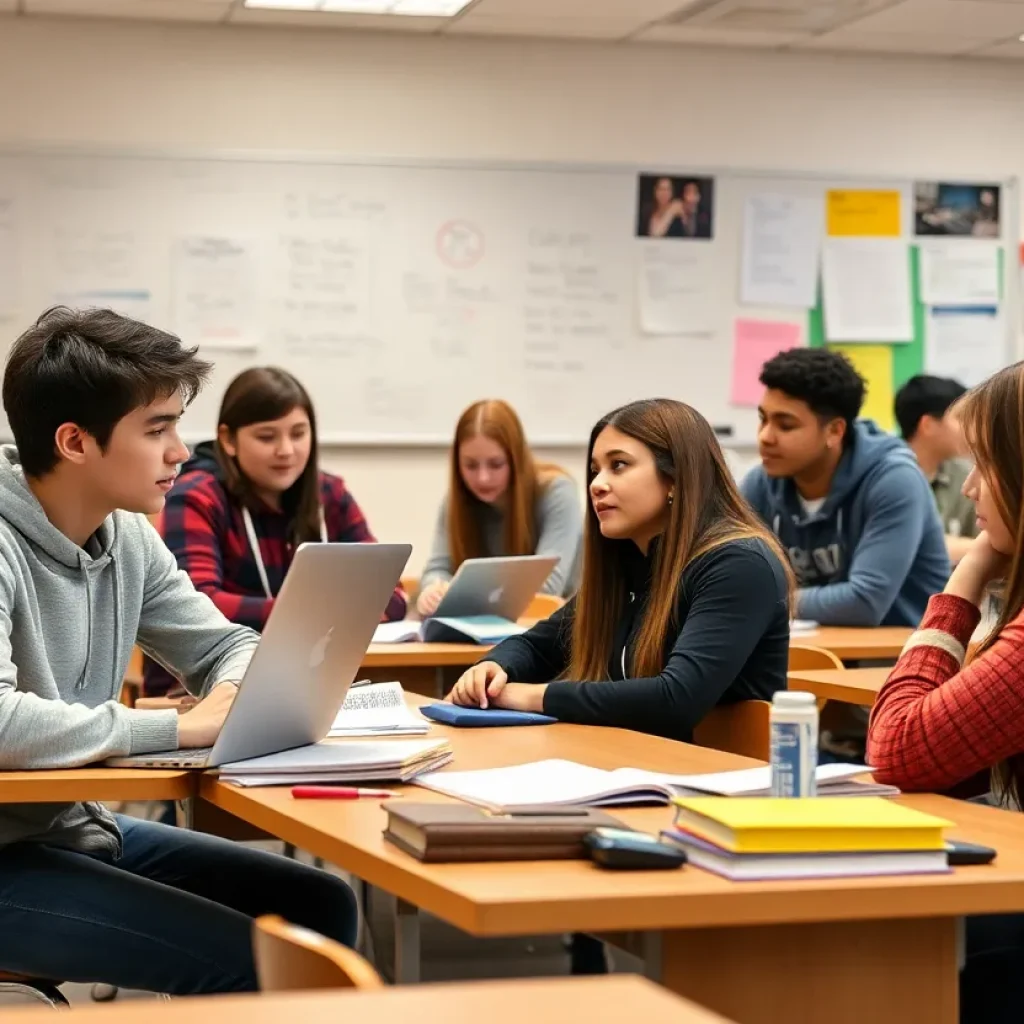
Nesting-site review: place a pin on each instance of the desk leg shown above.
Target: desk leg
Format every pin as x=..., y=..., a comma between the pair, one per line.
x=893, y=971
x=407, y=943
x=188, y=812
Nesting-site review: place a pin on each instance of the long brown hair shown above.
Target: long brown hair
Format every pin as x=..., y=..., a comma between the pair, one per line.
x=992, y=415
x=707, y=511
x=259, y=395
x=497, y=420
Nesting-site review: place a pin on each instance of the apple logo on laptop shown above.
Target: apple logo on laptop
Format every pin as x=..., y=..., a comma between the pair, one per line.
x=319, y=651
x=495, y=595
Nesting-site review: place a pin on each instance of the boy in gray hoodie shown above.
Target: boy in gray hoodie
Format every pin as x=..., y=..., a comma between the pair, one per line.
x=847, y=500
x=93, y=401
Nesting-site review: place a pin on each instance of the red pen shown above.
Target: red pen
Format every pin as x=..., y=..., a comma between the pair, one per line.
x=339, y=793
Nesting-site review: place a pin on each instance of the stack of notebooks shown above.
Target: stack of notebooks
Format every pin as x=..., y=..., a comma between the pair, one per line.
x=393, y=761
x=476, y=629
x=557, y=783
x=762, y=839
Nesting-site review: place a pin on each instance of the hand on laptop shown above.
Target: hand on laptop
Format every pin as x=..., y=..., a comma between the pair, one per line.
x=481, y=683
x=429, y=599
x=200, y=726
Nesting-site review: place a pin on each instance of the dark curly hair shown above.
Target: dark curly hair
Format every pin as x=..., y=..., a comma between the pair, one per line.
x=825, y=380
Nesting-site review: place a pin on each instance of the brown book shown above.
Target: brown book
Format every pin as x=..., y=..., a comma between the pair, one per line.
x=461, y=832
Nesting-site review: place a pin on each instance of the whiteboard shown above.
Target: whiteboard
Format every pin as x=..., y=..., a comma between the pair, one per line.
x=397, y=293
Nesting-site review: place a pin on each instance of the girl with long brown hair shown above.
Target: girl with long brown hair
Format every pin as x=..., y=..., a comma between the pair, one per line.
x=501, y=502
x=245, y=501
x=943, y=720
x=684, y=602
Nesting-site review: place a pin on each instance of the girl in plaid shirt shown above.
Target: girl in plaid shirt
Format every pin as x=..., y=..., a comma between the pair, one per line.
x=940, y=723
x=243, y=503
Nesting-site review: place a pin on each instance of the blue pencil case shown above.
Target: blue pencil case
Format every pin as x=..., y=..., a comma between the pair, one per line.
x=476, y=718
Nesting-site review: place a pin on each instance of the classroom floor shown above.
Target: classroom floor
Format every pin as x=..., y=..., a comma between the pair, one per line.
x=448, y=954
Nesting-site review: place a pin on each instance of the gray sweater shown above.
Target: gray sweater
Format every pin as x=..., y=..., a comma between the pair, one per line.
x=69, y=618
x=559, y=532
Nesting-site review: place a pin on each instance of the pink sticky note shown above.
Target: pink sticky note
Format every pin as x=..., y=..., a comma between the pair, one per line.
x=754, y=343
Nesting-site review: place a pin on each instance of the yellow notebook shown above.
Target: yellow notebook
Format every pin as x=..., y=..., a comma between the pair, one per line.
x=817, y=825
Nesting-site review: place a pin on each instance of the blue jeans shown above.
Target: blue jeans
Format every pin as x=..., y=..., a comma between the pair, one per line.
x=173, y=914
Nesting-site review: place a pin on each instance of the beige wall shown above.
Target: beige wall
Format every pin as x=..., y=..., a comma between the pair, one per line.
x=176, y=88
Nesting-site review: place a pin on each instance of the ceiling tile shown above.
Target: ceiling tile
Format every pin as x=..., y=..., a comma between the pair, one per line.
x=321, y=19
x=566, y=28
x=641, y=11
x=696, y=35
x=1012, y=50
x=976, y=19
x=851, y=40
x=776, y=16
x=164, y=10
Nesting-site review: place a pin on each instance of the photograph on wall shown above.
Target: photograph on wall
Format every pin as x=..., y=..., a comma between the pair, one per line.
x=675, y=206
x=957, y=210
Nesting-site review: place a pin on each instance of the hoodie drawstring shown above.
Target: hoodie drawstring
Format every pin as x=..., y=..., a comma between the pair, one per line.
x=84, y=569
x=254, y=545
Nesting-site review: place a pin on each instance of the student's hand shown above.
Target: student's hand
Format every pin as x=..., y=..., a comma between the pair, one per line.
x=200, y=726
x=482, y=684
x=429, y=599
x=977, y=569
x=521, y=697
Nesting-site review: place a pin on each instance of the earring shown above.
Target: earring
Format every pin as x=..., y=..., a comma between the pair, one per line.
x=670, y=497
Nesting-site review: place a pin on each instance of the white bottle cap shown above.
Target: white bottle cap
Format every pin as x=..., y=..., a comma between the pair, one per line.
x=792, y=699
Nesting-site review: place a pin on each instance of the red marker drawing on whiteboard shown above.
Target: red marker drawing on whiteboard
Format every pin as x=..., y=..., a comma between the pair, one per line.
x=460, y=244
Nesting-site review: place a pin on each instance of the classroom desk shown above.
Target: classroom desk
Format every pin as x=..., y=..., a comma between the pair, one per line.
x=850, y=643
x=75, y=784
x=421, y=667
x=608, y=1000
x=849, y=685
x=742, y=949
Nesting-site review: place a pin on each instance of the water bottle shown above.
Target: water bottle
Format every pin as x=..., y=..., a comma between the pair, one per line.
x=794, y=742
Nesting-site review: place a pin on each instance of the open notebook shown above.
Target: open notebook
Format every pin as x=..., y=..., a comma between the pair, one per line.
x=477, y=629
x=377, y=709
x=567, y=783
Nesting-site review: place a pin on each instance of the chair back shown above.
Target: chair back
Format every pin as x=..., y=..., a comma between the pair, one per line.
x=290, y=958
x=810, y=659
x=740, y=728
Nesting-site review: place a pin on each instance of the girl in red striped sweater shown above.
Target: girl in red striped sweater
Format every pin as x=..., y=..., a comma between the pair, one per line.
x=939, y=723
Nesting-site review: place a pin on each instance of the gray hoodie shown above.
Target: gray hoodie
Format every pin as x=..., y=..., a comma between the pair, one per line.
x=69, y=618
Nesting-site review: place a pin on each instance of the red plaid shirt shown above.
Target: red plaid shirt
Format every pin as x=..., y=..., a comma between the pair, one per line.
x=936, y=724
x=205, y=531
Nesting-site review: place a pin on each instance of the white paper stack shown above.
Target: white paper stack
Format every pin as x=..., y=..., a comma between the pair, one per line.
x=378, y=709
x=394, y=761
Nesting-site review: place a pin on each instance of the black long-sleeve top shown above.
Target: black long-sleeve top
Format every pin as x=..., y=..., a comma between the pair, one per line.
x=732, y=645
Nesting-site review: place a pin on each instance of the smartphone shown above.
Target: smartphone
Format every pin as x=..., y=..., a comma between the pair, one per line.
x=623, y=850
x=968, y=853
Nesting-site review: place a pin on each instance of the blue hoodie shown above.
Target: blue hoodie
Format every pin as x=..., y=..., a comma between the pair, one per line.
x=875, y=551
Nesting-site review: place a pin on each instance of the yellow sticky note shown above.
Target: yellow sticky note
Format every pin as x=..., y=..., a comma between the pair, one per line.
x=858, y=212
x=874, y=364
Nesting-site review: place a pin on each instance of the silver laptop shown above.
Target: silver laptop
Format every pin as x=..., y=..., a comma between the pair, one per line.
x=311, y=648
x=495, y=586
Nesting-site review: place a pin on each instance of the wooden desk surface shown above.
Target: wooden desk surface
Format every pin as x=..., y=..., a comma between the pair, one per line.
x=849, y=643
x=850, y=685
x=526, y=897
x=846, y=643
x=610, y=999
x=97, y=784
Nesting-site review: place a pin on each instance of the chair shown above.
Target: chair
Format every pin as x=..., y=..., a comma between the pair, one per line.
x=740, y=728
x=290, y=959
x=542, y=606
x=39, y=989
x=811, y=659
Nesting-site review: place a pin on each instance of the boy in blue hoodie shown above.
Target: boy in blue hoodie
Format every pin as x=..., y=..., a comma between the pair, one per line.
x=847, y=500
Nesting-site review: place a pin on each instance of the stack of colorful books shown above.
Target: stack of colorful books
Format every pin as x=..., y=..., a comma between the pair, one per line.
x=763, y=838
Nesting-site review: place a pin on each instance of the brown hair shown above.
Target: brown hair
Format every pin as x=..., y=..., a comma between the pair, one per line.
x=992, y=415
x=90, y=367
x=260, y=395
x=707, y=512
x=497, y=420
